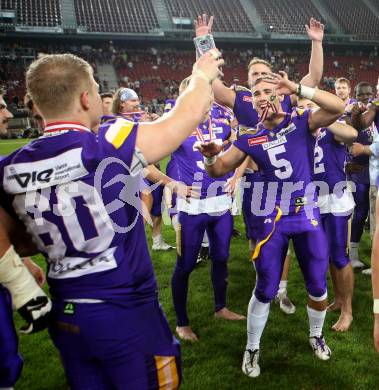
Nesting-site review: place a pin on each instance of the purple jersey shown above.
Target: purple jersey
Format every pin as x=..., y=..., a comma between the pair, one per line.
x=131, y=116
x=79, y=200
x=189, y=160
x=329, y=159
x=169, y=105
x=283, y=157
x=106, y=118
x=244, y=111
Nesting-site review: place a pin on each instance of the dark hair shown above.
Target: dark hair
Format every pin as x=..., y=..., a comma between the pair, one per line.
x=106, y=95
x=362, y=84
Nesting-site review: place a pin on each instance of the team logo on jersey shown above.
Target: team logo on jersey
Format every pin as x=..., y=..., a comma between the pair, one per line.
x=247, y=99
x=257, y=140
x=314, y=222
x=268, y=220
x=119, y=132
x=279, y=141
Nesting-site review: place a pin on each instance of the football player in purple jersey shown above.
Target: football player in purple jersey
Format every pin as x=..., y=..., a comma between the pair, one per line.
x=358, y=168
x=239, y=99
x=210, y=213
x=281, y=150
x=78, y=196
x=336, y=205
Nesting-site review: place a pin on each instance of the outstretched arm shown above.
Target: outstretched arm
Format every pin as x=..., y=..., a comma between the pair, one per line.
x=158, y=139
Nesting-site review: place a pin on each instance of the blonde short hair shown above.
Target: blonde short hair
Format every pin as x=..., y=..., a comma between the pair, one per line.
x=257, y=60
x=53, y=82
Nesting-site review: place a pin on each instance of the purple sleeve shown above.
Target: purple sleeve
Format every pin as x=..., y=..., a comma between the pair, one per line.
x=119, y=140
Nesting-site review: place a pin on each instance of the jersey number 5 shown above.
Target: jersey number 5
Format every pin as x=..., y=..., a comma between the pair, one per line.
x=284, y=170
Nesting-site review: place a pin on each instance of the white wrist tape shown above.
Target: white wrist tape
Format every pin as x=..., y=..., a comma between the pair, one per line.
x=305, y=92
x=376, y=306
x=17, y=279
x=210, y=160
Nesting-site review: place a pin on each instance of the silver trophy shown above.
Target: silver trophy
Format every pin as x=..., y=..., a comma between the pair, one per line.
x=204, y=44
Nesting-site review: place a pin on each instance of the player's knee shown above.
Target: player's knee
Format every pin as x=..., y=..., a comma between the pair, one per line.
x=265, y=294
x=184, y=268
x=221, y=256
x=317, y=291
x=339, y=257
x=10, y=371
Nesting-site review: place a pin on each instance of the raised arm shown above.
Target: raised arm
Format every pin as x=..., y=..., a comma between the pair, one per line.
x=158, y=139
x=223, y=95
x=315, y=32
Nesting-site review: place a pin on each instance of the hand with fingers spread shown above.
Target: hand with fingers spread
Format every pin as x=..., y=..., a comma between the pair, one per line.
x=315, y=30
x=208, y=65
x=231, y=185
x=203, y=26
x=283, y=86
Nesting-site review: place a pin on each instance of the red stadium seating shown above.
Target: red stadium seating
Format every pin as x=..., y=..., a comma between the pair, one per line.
x=116, y=15
x=229, y=15
x=38, y=13
x=286, y=16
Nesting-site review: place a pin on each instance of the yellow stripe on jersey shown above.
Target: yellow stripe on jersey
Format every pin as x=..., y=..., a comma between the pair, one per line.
x=168, y=378
x=119, y=132
x=262, y=242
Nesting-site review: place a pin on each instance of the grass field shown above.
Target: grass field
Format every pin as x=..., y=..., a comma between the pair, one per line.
x=214, y=363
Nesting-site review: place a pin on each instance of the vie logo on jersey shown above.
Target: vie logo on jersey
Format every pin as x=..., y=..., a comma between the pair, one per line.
x=257, y=140
x=23, y=179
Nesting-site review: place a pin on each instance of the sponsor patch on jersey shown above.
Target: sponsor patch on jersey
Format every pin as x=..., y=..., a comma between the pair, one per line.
x=24, y=177
x=286, y=130
x=279, y=141
x=248, y=99
x=119, y=132
x=74, y=267
x=257, y=140
x=217, y=130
